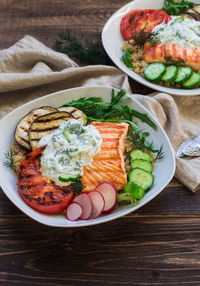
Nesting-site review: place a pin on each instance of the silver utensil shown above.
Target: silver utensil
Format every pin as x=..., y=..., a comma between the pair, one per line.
x=190, y=148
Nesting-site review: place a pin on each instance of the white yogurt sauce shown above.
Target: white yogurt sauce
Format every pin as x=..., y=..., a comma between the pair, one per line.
x=68, y=154
x=182, y=31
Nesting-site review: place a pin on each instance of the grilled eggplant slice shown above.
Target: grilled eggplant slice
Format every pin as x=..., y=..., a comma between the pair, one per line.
x=22, y=129
x=77, y=113
x=45, y=125
x=193, y=13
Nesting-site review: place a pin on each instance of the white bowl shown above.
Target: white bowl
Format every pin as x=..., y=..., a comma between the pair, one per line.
x=163, y=170
x=112, y=42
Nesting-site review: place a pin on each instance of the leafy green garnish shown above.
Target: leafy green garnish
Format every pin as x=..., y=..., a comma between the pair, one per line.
x=90, y=52
x=126, y=59
x=77, y=186
x=9, y=161
x=170, y=61
x=177, y=7
x=95, y=108
x=132, y=193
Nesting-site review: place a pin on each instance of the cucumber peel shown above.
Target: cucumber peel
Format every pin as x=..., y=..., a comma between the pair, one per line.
x=193, y=81
x=141, y=178
x=170, y=74
x=183, y=74
x=154, y=71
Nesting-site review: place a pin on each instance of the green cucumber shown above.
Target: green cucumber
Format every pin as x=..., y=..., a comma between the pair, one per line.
x=142, y=164
x=68, y=177
x=154, y=71
x=141, y=178
x=193, y=81
x=170, y=74
x=139, y=154
x=183, y=74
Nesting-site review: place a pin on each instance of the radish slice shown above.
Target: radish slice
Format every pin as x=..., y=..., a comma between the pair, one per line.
x=73, y=211
x=109, y=192
x=98, y=203
x=85, y=202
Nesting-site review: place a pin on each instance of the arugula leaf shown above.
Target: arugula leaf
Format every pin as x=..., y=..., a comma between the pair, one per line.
x=126, y=59
x=176, y=8
x=97, y=109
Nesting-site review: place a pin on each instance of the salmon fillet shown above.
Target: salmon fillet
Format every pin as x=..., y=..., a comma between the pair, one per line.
x=158, y=53
x=108, y=165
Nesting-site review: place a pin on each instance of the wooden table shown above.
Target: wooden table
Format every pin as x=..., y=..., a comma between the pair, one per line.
x=157, y=245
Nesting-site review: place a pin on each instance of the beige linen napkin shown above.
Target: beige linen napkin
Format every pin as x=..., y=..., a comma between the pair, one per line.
x=29, y=70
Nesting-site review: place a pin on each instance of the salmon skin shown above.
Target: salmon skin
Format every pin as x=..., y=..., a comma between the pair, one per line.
x=158, y=53
x=108, y=165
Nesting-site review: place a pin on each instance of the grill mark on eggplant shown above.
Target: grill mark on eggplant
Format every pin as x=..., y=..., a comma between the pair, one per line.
x=52, y=119
x=193, y=15
x=24, y=140
x=44, y=130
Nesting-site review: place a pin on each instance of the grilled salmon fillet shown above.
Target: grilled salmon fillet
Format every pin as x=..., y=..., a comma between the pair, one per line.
x=158, y=53
x=108, y=165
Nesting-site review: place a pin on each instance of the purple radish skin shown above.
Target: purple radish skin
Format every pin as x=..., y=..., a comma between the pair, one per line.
x=73, y=211
x=85, y=202
x=98, y=203
x=109, y=192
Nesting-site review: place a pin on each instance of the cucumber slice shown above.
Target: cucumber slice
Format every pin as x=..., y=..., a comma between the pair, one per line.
x=67, y=177
x=170, y=74
x=154, y=71
x=141, y=178
x=139, y=154
x=183, y=74
x=142, y=164
x=193, y=81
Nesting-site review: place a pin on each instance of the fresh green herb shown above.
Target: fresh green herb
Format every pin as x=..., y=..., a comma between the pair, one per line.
x=170, y=61
x=177, y=7
x=86, y=51
x=160, y=153
x=132, y=193
x=9, y=161
x=95, y=108
x=142, y=37
x=126, y=59
x=77, y=186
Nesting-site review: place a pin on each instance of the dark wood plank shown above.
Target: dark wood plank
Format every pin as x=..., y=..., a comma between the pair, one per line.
x=129, y=251
x=44, y=19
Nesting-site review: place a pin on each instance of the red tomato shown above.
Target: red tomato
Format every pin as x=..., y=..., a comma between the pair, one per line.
x=38, y=191
x=137, y=20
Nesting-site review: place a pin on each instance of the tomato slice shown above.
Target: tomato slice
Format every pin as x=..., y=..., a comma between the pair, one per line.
x=137, y=20
x=38, y=191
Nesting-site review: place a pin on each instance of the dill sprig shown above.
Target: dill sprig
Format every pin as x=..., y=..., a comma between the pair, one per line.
x=160, y=153
x=141, y=37
x=8, y=161
x=90, y=52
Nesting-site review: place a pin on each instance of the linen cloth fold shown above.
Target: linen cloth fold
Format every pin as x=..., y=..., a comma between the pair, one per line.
x=29, y=70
